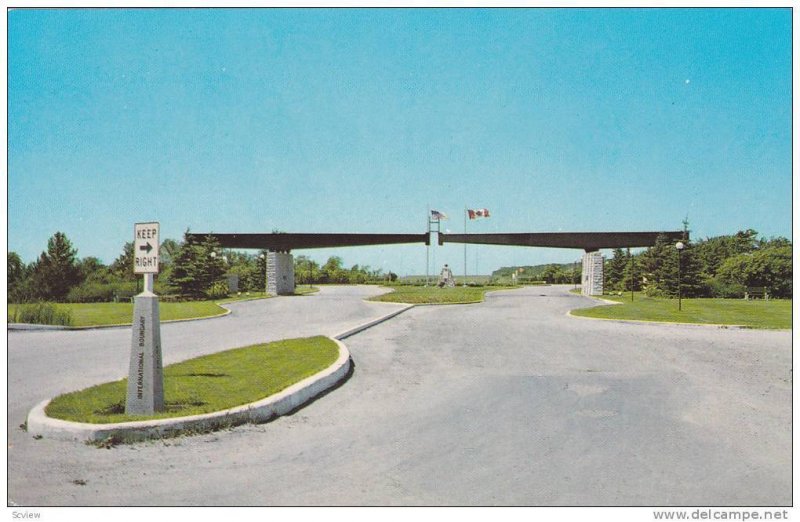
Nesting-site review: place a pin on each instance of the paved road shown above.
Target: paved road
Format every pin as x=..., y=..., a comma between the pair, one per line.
x=508, y=402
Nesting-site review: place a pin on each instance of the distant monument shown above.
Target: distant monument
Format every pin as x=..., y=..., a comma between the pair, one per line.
x=446, y=279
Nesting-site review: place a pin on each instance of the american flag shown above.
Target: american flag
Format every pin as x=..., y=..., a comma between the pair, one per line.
x=481, y=212
x=436, y=215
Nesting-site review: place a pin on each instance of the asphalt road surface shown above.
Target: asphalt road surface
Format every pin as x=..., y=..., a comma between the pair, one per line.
x=508, y=402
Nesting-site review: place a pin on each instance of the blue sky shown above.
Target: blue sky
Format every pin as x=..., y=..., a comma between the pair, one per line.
x=359, y=120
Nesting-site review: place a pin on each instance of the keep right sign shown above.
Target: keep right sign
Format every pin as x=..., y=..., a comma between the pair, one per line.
x=145, y=248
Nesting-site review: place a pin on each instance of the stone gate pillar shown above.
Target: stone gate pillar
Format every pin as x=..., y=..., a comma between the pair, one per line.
x=592, y=281
x=280, y=273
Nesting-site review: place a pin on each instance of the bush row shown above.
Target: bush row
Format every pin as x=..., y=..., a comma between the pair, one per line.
x=40, y=313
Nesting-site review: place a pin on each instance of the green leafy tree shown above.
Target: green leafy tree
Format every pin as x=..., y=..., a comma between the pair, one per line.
x=17, y=274
x=56, y=271
x=92, y=269
x=246, y=266
x=712, y=252
x=332, y=271
x=769, y=267
x=122, y=267
x=259, y=277
x=305, y=270
x=169, y=248
x=554, y=274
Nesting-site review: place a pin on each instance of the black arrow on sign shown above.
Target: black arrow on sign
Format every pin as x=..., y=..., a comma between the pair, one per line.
x=147, y=248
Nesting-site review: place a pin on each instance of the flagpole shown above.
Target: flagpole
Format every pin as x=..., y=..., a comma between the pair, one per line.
x=465, y=245
x=428, y=247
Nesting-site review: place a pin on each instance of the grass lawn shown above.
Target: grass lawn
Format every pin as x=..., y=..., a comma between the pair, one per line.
x=776, y=313
x=103, y=314
x=209, y=383
x=436, y=295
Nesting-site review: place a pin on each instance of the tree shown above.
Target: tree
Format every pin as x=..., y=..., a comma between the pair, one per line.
x=332, y=271
x=615, y=270
x=197, y=266
x=122, y=267
x=712, y=252
x=632, y=274
x=769, y=267
x=551, y=274
x=259, y=277
x=660, y=269
x=17, y=274
x=92, y=269
x=56, y=270
x=169, y=248
x=305, y=270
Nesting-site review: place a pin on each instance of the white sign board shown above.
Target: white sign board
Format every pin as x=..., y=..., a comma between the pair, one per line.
x=145, y=248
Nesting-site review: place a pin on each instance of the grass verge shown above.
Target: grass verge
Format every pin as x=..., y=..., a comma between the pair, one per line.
x=436, y=295
x=775, y=314
x=105, y=314
x=207, y=384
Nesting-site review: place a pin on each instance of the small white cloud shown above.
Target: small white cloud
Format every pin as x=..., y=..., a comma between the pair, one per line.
x=687, y=81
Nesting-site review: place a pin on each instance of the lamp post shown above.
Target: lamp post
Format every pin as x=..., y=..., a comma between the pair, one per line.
x=632, y=273
x=680, y=246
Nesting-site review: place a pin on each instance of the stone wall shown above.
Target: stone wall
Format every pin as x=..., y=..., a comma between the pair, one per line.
x=280, y=273
x=592, y=283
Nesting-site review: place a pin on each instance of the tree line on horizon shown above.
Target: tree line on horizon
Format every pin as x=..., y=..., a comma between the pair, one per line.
x=187, y=270
x=723, y=266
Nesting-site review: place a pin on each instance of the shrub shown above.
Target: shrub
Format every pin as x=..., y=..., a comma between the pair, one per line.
x=218, y=290
x=102, y=292
x=41, y=313
x=725, y=289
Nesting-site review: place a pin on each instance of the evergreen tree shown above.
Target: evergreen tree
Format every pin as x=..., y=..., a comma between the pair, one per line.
x=183, y=271
x=615, y=270
x=660, y=269
x=197, y=266
x=632, y=274
x=56, y=270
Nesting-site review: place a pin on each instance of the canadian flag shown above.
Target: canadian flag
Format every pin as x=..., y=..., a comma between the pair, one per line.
x=481, y=212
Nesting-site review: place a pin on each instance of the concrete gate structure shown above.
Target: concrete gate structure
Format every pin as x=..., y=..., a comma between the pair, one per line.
x=589, y=242
x=280, y=262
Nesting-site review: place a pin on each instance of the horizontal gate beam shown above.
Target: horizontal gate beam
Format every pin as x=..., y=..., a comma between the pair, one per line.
x=588, y=241
x=284, y=242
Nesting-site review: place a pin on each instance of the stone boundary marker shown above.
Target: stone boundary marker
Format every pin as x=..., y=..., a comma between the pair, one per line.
x=39, y=424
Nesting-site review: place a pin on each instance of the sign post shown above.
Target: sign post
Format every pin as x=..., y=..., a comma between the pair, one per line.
x=145, y=376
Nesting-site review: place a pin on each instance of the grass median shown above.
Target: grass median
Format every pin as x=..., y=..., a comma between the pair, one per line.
x=108, y=314
x=207, y=384
x=436, y=295
x=773, y=314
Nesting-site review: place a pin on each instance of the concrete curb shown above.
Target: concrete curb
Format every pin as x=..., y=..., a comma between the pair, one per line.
x=39, y=424
x=361, y=328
